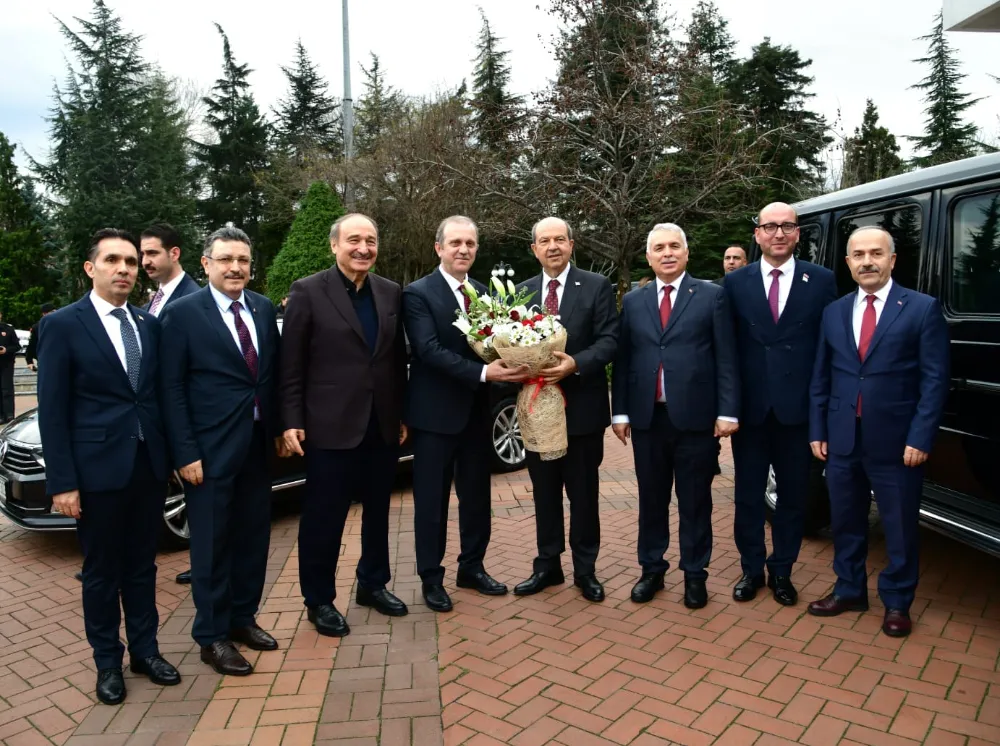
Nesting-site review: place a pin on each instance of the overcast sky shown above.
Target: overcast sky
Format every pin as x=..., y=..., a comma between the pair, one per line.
x=859, y=48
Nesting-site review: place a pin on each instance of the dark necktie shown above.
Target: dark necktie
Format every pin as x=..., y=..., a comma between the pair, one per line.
x=664, y=318
x=133, y=358
x=552, y=298
x=246, y=343
x=867, y=332
x=772, y=294
x=466, y=300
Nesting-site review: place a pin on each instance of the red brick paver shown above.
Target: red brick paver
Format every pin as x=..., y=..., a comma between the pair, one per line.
x=550, y=669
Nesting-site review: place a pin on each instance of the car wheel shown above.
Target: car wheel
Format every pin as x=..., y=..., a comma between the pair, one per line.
x=508, y=446
x=176, y=533
x=818, y=501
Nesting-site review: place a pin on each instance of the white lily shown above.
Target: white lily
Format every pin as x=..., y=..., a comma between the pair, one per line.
x=501, y=290
x=510, y=287
x=463, y=325
x=469, y=290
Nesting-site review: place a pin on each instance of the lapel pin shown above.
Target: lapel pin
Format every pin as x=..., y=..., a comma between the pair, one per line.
x=690, y=290
x=577, y=284
x=899, y=302
x=805, y=278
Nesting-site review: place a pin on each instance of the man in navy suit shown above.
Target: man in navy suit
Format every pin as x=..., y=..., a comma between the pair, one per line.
x=777, y=303
x=878, y=389
x=674, y=389
x=219, y=371
x=585, y=304
x=447, y=413
x=106, y=456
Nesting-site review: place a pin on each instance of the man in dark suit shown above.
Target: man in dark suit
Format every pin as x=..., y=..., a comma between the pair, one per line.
x=343, y=377
x=106, y=456
x=219, y=374
x=674, y=389
x=31, y=351
x=585, y=304
x=9, y=346
x=447, y=412
x=160, y=244
x=734, y=257
x=878, y=390
x=777, y=303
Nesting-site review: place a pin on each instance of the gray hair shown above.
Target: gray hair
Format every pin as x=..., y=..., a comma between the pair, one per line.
x=335, y=228
x=569, y=228
x=439, y=235
x=672, y=227
x=856, y=231
x=228, y=232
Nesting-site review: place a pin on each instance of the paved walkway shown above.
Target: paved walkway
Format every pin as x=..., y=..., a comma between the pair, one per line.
x=551, y=669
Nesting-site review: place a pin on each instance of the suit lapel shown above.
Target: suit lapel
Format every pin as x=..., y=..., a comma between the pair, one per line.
x=258, y=312
x=381, y=294
x=894, y=304
x=214, y=317
x=95, y=327
x=757, y=289
x=685, y=292
x=650, y=300
x=337, y=294
x=848, y=316
x=796, y=294
x=145, y=341
x=570, y=293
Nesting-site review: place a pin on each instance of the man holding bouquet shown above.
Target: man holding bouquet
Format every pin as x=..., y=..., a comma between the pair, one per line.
x=585, y=305
x=447, y=413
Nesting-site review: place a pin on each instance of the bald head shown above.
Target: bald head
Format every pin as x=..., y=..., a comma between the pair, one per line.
x=552, y=243
x=777, y=233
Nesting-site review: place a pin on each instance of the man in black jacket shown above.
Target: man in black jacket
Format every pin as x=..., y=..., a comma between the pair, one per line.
x=9, y=347
x=31, y=351
x=585, y=304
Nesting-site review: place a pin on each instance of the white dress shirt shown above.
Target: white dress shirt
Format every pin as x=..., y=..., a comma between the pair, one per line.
x=167, y=289
x=456, y=288
x=784, y=280
x=114, y=327
x=561, y=277
x=860, y=304
x=225, y=303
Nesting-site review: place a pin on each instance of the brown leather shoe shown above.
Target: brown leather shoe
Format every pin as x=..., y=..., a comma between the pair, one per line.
x=833, y=605
x=223, y=656
x=897, y=623
x=253, y=637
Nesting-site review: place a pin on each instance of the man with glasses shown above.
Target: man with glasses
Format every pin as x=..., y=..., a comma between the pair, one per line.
x=778, y=303
x=219, y=373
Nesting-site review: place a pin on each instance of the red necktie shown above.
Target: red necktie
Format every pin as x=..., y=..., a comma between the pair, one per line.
x=246, y=345
x=551, y=298
x=664, y=318
x=466, y=300
x=867, y=332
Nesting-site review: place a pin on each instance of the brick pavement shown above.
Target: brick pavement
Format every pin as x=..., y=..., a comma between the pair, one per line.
x=551, y=669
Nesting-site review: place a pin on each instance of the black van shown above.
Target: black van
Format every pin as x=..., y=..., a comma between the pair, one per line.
x=946, y=224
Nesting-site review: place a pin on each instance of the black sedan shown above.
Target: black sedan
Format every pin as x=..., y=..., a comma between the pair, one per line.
x=22, y=471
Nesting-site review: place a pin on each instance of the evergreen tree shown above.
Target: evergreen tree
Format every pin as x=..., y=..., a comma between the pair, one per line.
x=309, y=118
x=980, y=264
x=307, y=248
x=872, y=153
x=26, y=279
x=119, y=154
x=946, y=137
x=495, y=111
x=772, y=83
x=378, y=107
x=231, y=164
x=710, y=42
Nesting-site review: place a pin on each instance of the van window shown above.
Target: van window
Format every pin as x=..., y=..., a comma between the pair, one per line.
x=975, y=254
x=810, y=243
x=904, y=224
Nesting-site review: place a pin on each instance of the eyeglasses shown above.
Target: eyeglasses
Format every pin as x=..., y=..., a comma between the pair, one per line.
x=242, y=261
x=772, y=228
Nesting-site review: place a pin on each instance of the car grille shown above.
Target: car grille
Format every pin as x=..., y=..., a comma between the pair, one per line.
x=21, y=460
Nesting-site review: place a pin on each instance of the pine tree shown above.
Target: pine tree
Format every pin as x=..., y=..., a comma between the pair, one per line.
x=772, y=83
x=26, y=280
x=309, y=118
x=980, y=265
x=946, y=137
x=230, y=165
x=872, y=153
x=495, y=111
x=710, y=42
x=377, y=108
x=307, y=248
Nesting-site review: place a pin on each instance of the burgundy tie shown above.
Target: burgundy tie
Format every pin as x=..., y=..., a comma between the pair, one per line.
x=867, y=332
x=772, y=294
x=664, y=318
x=551, y=298
x=466, y=301
x=246, y=345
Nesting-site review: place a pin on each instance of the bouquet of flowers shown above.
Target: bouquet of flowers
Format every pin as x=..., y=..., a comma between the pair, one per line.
x=503, y=326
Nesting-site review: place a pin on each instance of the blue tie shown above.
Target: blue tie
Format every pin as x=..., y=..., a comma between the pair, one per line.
x=133, y=358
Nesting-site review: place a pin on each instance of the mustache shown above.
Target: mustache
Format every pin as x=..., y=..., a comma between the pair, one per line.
x=868, y=268
x=234, y=275
x=361, y=255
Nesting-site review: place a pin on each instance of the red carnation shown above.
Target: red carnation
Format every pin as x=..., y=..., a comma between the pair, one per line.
x=515, y=316
x=538, y=317
x=486, y=331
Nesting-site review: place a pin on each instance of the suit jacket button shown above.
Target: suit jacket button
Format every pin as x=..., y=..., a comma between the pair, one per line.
x=862, y=378
x=767, y=348
x=663, y=347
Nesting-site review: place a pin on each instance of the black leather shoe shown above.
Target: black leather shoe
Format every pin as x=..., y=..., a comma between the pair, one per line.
x=834, y=605
x=482, y=582
x=539, y=581
x=590, y=587
x=111, y=686
x=328, y=621
x=747, y=587
x=436, y=597
x=78, y=575
x=897, y=623
x=382, y=601
x=223, y=656
x=253, y=637
x=158, y=670
x=183, y=578
x=646, y=588
x=783, y=590
x=695, y=593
